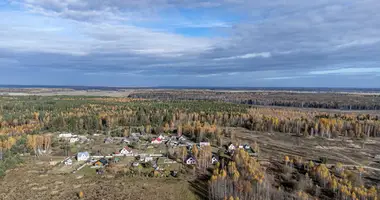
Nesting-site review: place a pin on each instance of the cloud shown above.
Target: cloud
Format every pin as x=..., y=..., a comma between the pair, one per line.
x=220, y=41
x=284, y=78
x=247, y=56
x=95, y=38
x=353, y=71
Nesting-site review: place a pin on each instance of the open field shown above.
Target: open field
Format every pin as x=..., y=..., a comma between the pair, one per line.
x=27, y=183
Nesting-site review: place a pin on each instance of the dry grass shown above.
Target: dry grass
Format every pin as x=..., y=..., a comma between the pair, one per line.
x=25, y=183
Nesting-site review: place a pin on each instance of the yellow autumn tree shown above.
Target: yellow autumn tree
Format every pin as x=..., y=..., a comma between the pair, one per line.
x=194, y=151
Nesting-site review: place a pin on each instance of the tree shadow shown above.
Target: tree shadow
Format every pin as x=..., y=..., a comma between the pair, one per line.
x=199, y=186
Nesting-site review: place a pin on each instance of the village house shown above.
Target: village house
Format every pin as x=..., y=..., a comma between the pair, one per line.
x=65, y=135
x=74, y=140
x=108, y=140
x=231, y=147
x=116, y=160
x=250, y=150
x=68, y=162
x=83, y=156
x=148, y=159
x=136, y=135
x=191, y=161
x=101, y=162
x=214, y=159
x=126, y=151
x=173, y=143
x=156, y=141
x=203, y=144
x=135, y=164
x=162, y=137
x=182, y=138
x=82, y=138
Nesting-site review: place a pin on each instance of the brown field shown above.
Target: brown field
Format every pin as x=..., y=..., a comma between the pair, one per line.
x=28, y=182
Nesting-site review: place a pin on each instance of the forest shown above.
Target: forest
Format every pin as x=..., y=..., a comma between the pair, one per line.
x=326, y=100
x=202, y=120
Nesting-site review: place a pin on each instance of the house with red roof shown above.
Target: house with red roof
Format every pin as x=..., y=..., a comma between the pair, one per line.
x=126, y=150
x=156, y=141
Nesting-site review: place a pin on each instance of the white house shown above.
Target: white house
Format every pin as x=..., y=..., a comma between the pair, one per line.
x=68, y=162
x=231, y=147
x=203, y=144
x=173, y=143
x=182, y=138
x=214, y=160
x=126, y=150
x=83, y=156
x=148, y=159
x=65, y=135
x=156, y=141
x=191, y=161
x=161, y=137
x=73, y=140
x=135, y=164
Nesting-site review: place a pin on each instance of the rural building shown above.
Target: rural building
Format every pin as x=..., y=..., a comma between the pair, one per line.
x=135, y=164
x=74, y=139
x=83, y=156
x=68, y=162
x=214, y=159
x=191, y=161
x=231, y=147
x=101, y=162
x=108, y=140
x=65, y=135
x=148, y=159
x=182, y=138
x=126, y=150
x=203, y=144
x=156, y=141
x=161, y=137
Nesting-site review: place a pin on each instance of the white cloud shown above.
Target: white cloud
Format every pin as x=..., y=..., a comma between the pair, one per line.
x=283, y=78
x=352, y=71
x=207, y=75
x=94, y=38
x=247, y=56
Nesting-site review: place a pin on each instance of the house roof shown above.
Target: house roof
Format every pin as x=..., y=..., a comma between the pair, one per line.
x=83, y=154
x=191, y=157
x=156, y=139
x=103, y=161
x=127, y=148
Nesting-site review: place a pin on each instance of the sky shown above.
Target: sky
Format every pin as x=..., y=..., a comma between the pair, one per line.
x=238, y=43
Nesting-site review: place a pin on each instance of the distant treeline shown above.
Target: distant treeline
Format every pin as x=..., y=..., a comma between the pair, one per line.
x=201, y=120
x=343, y=101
